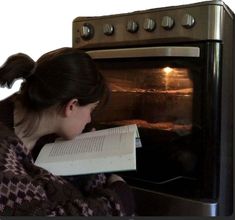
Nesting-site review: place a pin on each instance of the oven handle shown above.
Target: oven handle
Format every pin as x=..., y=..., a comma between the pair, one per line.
x=145, y=52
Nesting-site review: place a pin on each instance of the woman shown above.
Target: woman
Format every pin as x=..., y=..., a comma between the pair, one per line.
x=56, y=99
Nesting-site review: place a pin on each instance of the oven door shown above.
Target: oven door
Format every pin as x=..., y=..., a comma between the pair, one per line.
x=172, y=93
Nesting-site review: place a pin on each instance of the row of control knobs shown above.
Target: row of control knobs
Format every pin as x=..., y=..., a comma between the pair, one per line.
x=188, y=21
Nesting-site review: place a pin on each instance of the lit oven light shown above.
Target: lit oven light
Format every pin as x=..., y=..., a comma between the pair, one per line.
x=167, y=70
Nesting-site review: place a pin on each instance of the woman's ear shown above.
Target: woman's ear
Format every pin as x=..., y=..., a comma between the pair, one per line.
x=70, y=107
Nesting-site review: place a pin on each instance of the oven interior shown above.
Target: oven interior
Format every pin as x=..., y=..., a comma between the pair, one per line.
x=164, y=97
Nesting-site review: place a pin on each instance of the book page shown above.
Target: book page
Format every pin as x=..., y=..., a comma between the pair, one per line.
x=116, y=130
x=110, y=131
x=107, y=151
x=88, y=147
x=93, y=144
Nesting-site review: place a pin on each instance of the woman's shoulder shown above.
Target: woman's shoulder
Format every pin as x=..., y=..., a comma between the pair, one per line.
x=9, y=141
x=6, y=132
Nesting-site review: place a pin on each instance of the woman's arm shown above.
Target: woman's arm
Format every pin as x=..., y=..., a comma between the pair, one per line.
x=26, y=189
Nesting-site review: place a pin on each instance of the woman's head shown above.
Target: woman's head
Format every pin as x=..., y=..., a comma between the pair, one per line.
x=59, y=77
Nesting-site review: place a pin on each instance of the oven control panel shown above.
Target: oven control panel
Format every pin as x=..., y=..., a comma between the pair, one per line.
x=200, y=21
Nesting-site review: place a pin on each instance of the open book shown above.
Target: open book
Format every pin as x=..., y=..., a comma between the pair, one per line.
x=107, y=150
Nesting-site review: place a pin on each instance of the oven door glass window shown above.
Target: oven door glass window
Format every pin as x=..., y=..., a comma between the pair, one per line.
x=163, y=97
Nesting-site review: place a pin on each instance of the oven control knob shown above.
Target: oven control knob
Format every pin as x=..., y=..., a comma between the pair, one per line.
x=149, y=24
x=188, y=21
x=87, y=31
x=132, y=26
x=168, y=22
x=108, y=29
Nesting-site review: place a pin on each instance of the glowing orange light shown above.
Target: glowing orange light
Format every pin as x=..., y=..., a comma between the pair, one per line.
x=167, y=70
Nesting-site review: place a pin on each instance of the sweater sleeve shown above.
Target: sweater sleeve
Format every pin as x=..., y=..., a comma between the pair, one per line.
x=89, y=184
x=26, y=189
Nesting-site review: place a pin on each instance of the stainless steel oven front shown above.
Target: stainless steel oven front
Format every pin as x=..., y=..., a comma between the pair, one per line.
x=170, y=71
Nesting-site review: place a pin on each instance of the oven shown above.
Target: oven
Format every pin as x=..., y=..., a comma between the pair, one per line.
x=170, y=71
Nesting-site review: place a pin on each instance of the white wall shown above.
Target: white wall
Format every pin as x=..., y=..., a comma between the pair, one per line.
x=37, y=26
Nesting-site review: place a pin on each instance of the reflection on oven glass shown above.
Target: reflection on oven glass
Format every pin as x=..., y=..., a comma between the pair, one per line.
x=153, y=99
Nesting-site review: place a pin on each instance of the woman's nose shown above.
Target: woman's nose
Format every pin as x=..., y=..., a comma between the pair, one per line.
x=89, y=119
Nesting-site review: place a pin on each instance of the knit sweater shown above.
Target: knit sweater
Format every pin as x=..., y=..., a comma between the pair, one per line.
x=26, y=189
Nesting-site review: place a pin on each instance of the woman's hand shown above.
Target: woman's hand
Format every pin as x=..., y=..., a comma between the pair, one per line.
x=114, y=178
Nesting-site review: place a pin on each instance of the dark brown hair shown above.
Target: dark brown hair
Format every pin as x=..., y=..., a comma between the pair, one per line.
x=54, y=79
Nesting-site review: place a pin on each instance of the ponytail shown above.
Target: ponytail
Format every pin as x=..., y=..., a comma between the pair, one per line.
x=16, y=66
